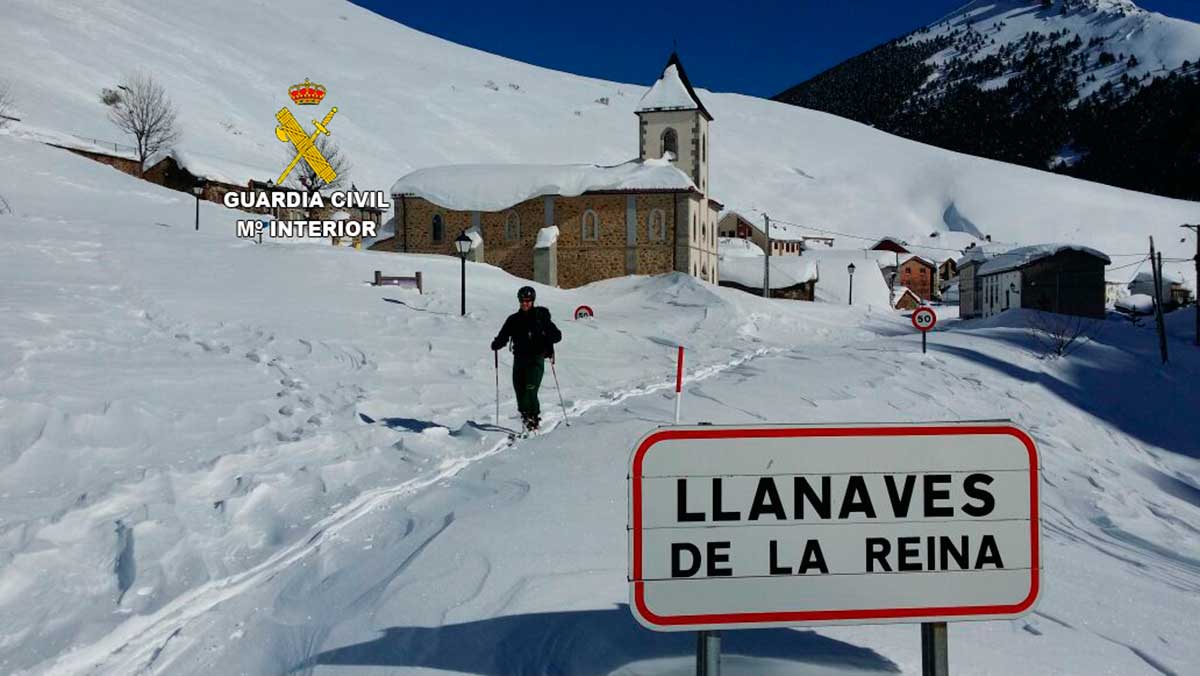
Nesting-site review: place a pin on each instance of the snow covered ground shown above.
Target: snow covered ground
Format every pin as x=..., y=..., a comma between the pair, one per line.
x=219, y=457
x=223, y=457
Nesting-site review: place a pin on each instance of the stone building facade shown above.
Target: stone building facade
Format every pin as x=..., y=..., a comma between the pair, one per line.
x=649, y=216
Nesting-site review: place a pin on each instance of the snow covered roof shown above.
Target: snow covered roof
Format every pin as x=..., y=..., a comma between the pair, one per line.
x=1147, y=277
x=211, y=168
x=736, y=247
x=1022, y=256
x=908, y=257
x=902, y=291
x=495, y=187
x=672, y=91
x=786, y=271
x=893, y=240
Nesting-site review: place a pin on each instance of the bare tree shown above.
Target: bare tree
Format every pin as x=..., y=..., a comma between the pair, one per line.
x=145, y=112
x=303, y=175
x=6, y=103
x=1059, y=335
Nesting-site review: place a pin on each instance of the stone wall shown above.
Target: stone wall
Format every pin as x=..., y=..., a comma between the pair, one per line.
x=617, y=249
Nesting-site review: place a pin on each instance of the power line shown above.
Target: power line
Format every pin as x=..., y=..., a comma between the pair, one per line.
x=942, y=248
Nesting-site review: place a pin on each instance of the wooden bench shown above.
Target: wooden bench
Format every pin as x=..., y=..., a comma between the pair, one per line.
x=410, y=282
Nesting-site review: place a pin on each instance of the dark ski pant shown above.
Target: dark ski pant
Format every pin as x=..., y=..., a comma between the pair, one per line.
x=527, y=378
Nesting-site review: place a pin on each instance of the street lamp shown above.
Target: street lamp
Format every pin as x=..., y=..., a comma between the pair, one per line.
x=462, y=243
x=850, y=269
x=198, y=189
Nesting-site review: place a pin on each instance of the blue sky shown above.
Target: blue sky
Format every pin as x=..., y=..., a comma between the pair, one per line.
x=760, y=49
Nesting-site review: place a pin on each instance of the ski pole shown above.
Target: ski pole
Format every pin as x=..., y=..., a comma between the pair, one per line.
x=496, y=356
x=560, y=397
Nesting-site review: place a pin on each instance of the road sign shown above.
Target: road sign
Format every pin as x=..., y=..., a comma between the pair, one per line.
x=924, y=318
x=737, y=527
x=584, y=312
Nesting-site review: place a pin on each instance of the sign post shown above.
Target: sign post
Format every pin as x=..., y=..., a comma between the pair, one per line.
x=924, y=319
x=798, y=525
x=935, y=652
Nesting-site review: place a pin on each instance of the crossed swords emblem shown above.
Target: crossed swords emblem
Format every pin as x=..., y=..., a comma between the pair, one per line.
x=289, y=130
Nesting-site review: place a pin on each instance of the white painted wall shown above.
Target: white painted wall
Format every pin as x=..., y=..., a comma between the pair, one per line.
x=998, y=293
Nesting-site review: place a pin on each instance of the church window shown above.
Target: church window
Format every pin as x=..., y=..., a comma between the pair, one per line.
x=512, y=226
x=658, y=225
x=590, y=223
x=670, y=142
x=439, y=230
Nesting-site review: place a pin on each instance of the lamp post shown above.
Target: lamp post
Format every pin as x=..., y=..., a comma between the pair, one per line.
x=198, y=189
x=462, y=243
x=850, y=269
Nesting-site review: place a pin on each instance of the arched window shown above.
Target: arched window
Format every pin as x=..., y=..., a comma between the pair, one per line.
x=658, y=225
x=590, y=230
x=439, y=230
x=670, y=142
x=512, y=226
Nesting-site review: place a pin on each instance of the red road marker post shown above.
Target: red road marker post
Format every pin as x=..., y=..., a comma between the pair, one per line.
x=678, y=382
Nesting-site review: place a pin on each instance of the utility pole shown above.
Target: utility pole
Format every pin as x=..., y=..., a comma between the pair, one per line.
x=767, y=258
x=1156, y=267
x=1196, y=229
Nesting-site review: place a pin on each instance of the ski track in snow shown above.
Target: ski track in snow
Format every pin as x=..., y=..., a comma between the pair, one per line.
x=138, y=642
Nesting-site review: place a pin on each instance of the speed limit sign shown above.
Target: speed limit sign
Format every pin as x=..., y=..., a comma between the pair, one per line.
x=924, y=318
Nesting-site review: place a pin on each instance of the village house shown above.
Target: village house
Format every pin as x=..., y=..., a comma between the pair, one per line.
x=918, y=275
x=948, y=270
x=1175, y=292
x=906, y=299
x=569, y=225
x=1060, y=278
x=785, y=240
x=890, y=244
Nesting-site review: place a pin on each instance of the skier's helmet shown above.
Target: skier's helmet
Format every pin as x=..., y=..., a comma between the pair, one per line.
x=526, y=293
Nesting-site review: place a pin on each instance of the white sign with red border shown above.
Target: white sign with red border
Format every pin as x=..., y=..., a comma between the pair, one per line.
x=784, y=525
x=924, y=318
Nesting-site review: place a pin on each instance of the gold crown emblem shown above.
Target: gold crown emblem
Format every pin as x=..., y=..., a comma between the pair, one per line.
x=307, y=93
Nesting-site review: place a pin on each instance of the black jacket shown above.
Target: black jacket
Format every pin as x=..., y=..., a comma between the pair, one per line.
x=532, y=333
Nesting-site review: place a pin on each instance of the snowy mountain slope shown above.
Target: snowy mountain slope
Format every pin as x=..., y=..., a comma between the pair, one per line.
x=179, y=407
x=190, y=484
x=1096, y=89
x=407, y=100
x=983, y=28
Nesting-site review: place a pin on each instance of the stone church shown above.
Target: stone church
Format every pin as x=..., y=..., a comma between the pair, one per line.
x=569, y=225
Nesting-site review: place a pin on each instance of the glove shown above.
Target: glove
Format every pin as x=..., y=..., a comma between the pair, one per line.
x=497, y=344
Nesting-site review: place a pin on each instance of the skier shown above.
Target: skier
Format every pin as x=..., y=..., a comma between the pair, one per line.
x=533, y=336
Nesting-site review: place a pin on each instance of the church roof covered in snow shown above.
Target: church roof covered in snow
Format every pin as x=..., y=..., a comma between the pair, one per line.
x=495, y=187
x=672, y=91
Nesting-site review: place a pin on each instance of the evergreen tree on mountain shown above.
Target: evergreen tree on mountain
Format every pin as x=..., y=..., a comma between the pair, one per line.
x=1129, y=134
